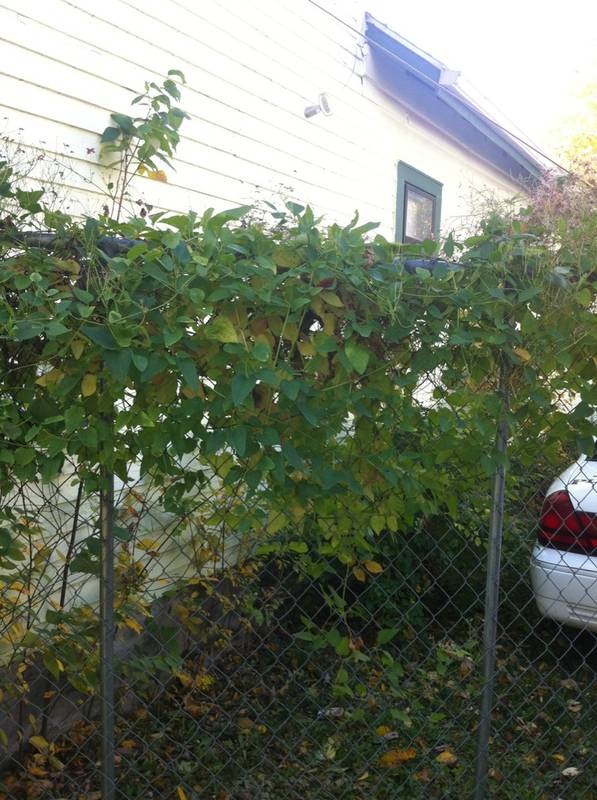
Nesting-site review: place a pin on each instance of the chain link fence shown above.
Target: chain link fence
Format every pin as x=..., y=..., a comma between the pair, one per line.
x=330, y=569
x=246, y=663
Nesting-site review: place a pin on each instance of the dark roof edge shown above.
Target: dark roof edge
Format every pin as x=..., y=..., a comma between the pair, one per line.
x=412, y=77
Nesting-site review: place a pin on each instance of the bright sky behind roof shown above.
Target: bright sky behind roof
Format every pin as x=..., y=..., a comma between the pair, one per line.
x=529, y=59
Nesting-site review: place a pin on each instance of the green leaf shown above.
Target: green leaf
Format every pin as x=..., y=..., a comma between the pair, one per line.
x=171, y=336
x=241, y=387
x=24, y=455
x=124, y=122
x=140, y=361
x=100, y=335
x=386, y=635
x=55, y=328
x=291, y=455
x=29, y=200
x=27, y=329
x=110, y=134
x=237, y=439
x=357, y=356
x=118, y=362
x=22, y=282
x=188, y=371
x=261, y=351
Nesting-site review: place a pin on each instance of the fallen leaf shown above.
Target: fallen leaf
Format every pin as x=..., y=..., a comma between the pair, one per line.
x=39, y=743
x=37, y=772
x=559, y=758
x=329, y=749
x=466, y=667
x=447, y=757
x=180, y=793
x=363, y=777
x=574, y=706
x=128, y=744
x=335, y=712
x=424, y=776
x=571, y=772
x=569, y=683
x=394, y=757
x=383, y=730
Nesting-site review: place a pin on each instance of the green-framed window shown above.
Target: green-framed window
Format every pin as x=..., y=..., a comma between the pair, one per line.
x=418, y=205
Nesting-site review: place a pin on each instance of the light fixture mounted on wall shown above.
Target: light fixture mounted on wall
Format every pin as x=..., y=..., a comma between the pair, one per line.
x=322, y=106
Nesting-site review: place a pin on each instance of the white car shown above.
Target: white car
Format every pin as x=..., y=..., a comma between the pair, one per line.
x=564, y=560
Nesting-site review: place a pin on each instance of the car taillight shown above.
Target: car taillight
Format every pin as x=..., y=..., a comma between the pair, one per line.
x=566, y=529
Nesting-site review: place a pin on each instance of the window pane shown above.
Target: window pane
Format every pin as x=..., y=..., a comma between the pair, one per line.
x=419, y=213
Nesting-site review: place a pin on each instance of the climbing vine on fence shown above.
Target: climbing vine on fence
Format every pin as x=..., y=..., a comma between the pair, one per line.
x=286, y=369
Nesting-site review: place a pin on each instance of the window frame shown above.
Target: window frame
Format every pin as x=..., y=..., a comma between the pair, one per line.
x=410, y=176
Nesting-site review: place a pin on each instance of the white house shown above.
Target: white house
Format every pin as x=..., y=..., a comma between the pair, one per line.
x=402, y=143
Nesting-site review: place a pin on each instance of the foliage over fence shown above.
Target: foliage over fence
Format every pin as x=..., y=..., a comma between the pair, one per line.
x=310, y=393
x=259, y=353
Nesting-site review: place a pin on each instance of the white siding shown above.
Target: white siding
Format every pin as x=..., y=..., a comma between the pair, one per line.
x=251, y=69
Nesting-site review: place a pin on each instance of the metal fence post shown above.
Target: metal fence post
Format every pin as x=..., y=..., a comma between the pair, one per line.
x=107, y=634
x=492, y=591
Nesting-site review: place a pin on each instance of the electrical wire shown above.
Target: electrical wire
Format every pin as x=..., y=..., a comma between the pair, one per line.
x=459, y=96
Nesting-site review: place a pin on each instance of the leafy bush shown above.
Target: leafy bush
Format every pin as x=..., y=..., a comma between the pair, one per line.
x=303, y=394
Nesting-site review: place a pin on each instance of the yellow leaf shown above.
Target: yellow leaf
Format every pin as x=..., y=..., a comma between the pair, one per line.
x=306, y=348
x=447, y=757
x=148, y=544
x=158, y=175
x=286, y=257
x=329, y=323
x=276, y=522
x=359, y=574
x=332, y=299
x=37, y=772
x=522, y=354
x=77, y=346
x=394, y=757
x=180, y=793
x=558, y=758
x=88, y=384
x=290, y=331
x=133, y=624
x=39, y=743
x=374, y=567
x=128, y=744
x=53, y=376
x=383, y=730
x=184, y=678
x=67, y=265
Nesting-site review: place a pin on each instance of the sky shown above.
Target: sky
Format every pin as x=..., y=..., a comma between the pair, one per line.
x=530, y=59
